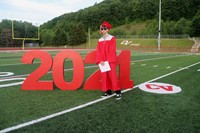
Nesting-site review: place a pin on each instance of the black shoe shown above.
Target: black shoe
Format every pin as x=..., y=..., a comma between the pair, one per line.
x=108, y=93
x=118, y=96
x=105, y=95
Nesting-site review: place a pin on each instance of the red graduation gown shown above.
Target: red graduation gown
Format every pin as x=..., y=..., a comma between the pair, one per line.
x=106, y=51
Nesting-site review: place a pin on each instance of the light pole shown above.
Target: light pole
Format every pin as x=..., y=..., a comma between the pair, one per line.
x=159, y=29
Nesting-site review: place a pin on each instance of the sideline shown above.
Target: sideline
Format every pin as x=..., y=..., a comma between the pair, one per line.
x=85, y=105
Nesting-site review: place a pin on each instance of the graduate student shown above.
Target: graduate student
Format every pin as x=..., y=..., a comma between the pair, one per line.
x=106, y=51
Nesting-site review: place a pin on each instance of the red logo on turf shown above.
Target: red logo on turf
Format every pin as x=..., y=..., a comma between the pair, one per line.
x=160, y=88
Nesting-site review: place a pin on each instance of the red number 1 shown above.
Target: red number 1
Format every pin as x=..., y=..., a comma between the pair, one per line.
x=123, y=60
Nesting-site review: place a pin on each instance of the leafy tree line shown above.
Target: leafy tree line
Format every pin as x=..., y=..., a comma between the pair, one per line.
x=178, y=17
x=64, y=33
x=123, y=11
x=150, y=27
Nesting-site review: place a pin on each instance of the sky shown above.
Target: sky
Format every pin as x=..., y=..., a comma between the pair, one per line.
x=39, y=11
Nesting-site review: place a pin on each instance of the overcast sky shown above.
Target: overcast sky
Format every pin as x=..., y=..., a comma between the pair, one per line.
x=40, y=11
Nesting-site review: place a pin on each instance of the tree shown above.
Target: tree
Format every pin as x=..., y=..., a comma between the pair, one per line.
x=60, y=36
x=182, y=26
x=77, y=34
x=47, y=36
x=195, y=26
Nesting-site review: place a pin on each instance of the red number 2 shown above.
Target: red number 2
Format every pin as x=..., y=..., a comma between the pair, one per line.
x=31, y=82
x=93, y=82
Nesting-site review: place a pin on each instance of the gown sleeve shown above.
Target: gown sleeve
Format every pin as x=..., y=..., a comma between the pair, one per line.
x=98, y=54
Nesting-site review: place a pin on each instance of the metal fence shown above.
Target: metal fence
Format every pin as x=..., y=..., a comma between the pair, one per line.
x=144, y=36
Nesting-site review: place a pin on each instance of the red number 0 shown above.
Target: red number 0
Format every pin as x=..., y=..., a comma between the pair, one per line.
x=58, y=73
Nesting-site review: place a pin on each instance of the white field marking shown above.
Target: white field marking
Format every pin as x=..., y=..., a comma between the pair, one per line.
x=184, y=68
x=84, y=105
x=11, y=84
x=198, y=70
x=131, y=61
x=155, y=66
x=143, y=65
x=4, y=74
x=168, y=67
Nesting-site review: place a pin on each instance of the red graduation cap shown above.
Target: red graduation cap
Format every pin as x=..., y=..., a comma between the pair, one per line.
x=105, y=23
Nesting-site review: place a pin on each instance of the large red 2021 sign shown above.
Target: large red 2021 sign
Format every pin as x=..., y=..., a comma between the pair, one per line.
x=33, y=81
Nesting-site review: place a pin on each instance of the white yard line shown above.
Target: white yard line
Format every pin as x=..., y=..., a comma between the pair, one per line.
x=84, y=105
x=173, y=72
x=168, y=67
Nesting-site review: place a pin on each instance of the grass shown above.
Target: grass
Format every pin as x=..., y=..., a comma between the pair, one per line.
x=138, y=111
x=145, y=44
x=170, y=45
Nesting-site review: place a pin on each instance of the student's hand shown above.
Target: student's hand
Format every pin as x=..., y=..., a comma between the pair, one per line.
x=102, y=63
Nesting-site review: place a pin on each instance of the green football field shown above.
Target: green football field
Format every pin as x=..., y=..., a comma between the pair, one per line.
x=84, y=111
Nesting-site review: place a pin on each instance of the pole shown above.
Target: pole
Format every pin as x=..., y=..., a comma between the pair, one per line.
x=13, y=30
x=23, y=44
x=159, y=30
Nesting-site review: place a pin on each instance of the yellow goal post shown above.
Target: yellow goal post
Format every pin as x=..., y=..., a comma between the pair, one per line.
x=23, y=39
